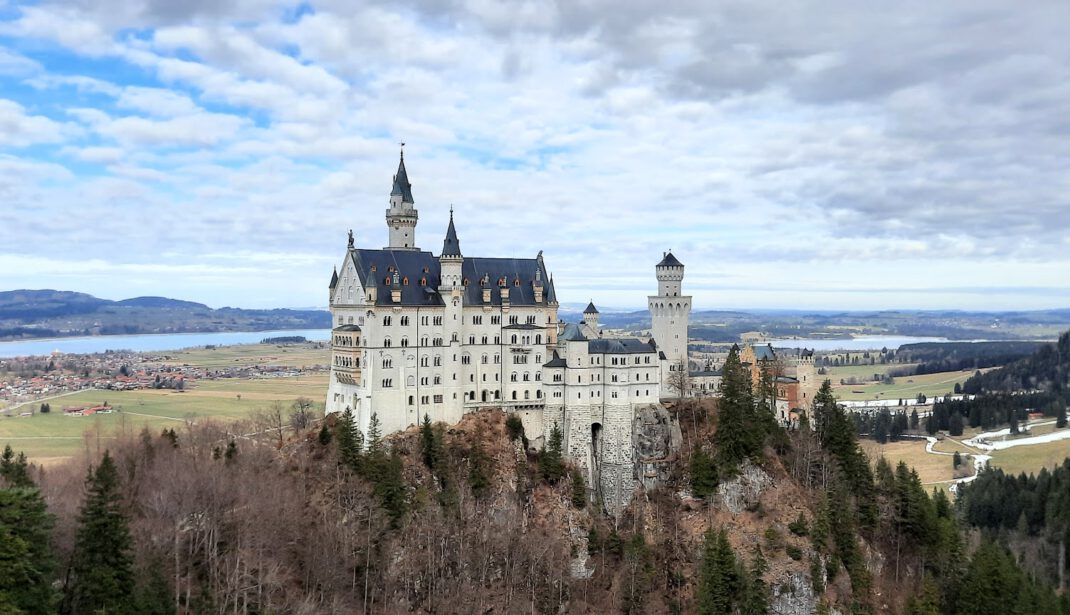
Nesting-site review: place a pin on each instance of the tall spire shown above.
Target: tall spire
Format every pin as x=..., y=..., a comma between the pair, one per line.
x=402, y=187
x=451, y=246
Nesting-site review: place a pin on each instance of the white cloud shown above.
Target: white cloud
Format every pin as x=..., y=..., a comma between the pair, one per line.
x=20, y=129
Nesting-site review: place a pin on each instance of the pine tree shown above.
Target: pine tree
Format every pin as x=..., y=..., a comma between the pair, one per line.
x=325, y=435
x=389, y=486
x=14, y=470
x=101, y=574
x=704, y=479
x=550, y=463
x=375, y=435
x=579, y=489
x=718, y=575
x=479, y=470
x=26, y=562
x=350, y=441
x=755, y=600
x=737, y=436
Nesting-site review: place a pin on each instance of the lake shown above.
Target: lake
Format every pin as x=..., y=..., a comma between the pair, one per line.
x=148, y=343
x=862, y=342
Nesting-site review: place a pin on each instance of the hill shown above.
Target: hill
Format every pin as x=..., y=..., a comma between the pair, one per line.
x=55, y=313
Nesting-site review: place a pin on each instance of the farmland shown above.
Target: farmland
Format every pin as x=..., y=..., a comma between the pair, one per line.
x=52, y=437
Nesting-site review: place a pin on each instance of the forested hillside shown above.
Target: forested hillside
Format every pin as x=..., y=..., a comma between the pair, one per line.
x=52, y=313
x=468, y=519
x=1047, y=369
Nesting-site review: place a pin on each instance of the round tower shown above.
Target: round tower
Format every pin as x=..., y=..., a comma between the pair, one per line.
x=670, y=313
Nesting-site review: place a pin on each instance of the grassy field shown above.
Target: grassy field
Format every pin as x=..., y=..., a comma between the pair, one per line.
x=906, y=387
x=863, y=371
x=47, y=438
x=297, y=355
x=1030, y=459
x=931, y=468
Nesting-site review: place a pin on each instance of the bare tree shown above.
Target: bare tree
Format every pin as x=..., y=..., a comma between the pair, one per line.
x=679, y=379
x=301, y=413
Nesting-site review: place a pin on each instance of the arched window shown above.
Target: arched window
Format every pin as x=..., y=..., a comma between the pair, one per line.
x=512, y=377
x=386, y=321
x=512, y=339
x=538, y=339
x=386, y=342
x=404, y=342
x=514, y=395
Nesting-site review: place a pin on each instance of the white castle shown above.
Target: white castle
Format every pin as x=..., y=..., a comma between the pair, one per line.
x=417, y=334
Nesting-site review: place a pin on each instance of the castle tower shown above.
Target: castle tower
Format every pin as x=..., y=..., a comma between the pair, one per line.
x=670, y=313
x=451, y=289
x=401, y=217
x=590, y=316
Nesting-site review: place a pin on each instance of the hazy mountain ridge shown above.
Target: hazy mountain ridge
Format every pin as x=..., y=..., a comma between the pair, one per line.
x=53, y=313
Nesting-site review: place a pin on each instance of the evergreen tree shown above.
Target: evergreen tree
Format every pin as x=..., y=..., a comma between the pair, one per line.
x=1060, y=421
x=26, y=562
x=325, y=435
x=738, y=436
x=914, y=419
x=755, y=599
x=389, y=485
x=719, y=580
x=14, y=470
x=704, y=479
x=375, y=435
x=479, y=470
x=101, y=575
x=550, y=463
x=579, y=489
x=432, y=449
x=350, y=441
x=926, y=601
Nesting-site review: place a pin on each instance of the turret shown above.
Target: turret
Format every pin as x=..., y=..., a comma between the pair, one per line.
x=401, y=216
x=590, y=316
x=670, y=274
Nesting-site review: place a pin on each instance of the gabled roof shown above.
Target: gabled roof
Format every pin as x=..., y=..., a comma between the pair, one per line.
x=670, y=261
x=623, y=345
x=334, y=279
x=451, y=246
x=402, y=186
x=591, y=309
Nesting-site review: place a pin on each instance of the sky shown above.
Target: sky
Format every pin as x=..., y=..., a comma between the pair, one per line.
x=812, y=155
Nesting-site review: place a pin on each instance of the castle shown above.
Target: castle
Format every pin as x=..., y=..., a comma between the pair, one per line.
x=417, y=334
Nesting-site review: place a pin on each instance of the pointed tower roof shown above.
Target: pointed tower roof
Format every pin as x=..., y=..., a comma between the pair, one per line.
x=451, y=246
x=670, y=261
x=402, y=187
x=590, y=308
x=334, y=278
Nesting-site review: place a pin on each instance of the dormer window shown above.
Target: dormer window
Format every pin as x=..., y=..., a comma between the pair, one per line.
x=390, y=268
x=516, y=282
x=423, y=281
x=405, y=281
x=465, y=282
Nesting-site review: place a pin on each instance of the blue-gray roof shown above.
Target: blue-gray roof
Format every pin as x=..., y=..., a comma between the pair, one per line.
x=557, y=361
x=414, y=267
x=591, y=309
x=670, y=261
x=764, y=353
x=334, y=279
x=347, y=328
x=451, y=246
x=572, y=333
x=624, y=345
x=401, y=183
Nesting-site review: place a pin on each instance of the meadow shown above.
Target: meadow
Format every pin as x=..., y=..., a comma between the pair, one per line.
x=53, y=437
x=905, y=387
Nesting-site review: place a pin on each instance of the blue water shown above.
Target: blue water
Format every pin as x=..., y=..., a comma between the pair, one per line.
x=141, y=343
x=871, y=342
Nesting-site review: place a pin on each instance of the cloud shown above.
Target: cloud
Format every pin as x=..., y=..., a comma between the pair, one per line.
x=20, y=129
x=805, y=145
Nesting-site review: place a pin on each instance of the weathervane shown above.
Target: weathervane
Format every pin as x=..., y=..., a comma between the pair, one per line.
x=402, y=144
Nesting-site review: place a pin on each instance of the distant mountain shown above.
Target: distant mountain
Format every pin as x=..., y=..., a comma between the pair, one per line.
x=162, y=302
x=55, y=313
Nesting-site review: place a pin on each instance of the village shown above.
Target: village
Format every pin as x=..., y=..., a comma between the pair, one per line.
x=30, y=384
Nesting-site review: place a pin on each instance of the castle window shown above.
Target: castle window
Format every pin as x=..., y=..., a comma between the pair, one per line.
x=538, y=376
x=495, y=320
x=465, y=359
x=386, y=280
x=438, y=379
x=423, y=340
x=497, y=359
x=531, y=320
x=484, y=339
x=516, y=282
x=512, y=377
x=438, y=399
x=387, y=383
x=497, y=339
x=390, y=268
x=386, y=321
x=405, y=281
x=404, y=342
x=512, y=339
x=386, y=343
x=538, y=339
x=388, y=363
x=410, y=381
x=465, y=282
x=513, y=319
x=404, y=321
x=373, y=268
x=514, y=395
x=477, y=320
x=424, y=361
x=471, y=339
x=483, y=359
x=411, y=398
x=538, y=394
x=438, y=360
